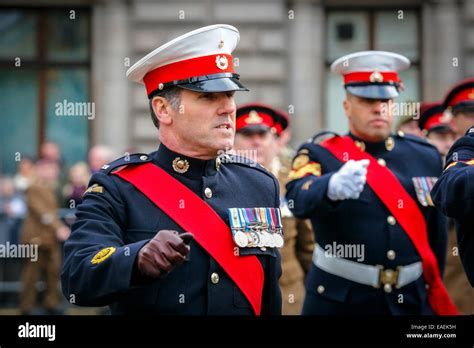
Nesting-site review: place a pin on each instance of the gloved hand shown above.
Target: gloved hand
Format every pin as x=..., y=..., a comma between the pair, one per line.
x=348, y=182
x=163, y=253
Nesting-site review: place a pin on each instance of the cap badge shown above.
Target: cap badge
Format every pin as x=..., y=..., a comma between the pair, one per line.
x=471, y=95
x=222, y=62
x=446, y=117
x=180, y=165
x=376, y=77
x=253, y=117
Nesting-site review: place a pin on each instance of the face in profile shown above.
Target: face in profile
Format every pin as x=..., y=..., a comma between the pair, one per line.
x=203, y=124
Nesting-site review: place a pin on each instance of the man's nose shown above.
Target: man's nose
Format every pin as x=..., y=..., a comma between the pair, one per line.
x=381, y=107
x=227, y=105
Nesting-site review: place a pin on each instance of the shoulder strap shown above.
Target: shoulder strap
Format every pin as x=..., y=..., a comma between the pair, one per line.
x=209, y=230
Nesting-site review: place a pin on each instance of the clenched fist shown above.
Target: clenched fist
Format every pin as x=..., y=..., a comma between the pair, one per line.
x=163, y=253
x=348, y=182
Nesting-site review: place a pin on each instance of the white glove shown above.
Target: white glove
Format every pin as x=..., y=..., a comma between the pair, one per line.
x=348, y=182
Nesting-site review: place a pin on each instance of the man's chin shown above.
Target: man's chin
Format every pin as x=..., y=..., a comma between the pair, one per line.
x=223, y=146
x=377, y=134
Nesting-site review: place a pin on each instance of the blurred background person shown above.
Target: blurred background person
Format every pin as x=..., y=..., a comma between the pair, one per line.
x=408, y=125
x=78, y=178
x=50, y=151
x=43, y=228
x=459, y=102
x=98, y=156
x=258, y=133
x=12, y=210
x=24, y=173
x=435, y=125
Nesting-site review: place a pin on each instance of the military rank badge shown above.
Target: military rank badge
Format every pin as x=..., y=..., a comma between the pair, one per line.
x=102, y=255
x=256, y=227
x=94, y=188
x=423, y=186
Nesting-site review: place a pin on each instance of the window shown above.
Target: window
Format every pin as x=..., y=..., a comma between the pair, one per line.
x=373, y=29
x=44, y=62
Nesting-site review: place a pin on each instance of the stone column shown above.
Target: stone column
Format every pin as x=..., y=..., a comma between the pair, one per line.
x=442, y=47
x=110, y=88
x=306, y=71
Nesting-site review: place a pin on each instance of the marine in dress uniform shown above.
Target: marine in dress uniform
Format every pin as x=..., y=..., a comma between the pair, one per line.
x=435, y=125
x=259, y=127
x=370, y=189
x=453, y=193
x=124, y=250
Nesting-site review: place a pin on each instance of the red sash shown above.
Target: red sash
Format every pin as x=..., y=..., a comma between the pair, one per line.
x=390, y=191
x=194, y=215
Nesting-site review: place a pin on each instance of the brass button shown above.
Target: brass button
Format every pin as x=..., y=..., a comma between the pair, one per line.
x=214, y=278
x=320, y=289
x=389, y=143
x=208, y=192
x=387, y=288
x=382, y=162
x=427, y=286
x=391, y=255
x=360, y=145
x=401, y=134
x=391, y=220
x=143, y=157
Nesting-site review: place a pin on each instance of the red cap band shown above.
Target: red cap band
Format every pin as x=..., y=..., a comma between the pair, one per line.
x=433, y=121
x=250, y=119
x=200, y=66
x=464, y=95
x=371, y=76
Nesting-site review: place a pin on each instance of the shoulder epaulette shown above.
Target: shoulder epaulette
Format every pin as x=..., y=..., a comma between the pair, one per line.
x=246, y=162
x=321, y=136
x=414, y=138
x=135, y=158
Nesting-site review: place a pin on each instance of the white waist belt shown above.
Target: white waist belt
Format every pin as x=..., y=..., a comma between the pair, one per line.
x=366, y=274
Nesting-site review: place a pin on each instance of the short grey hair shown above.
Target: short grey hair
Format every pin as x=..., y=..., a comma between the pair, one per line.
x=172, y=94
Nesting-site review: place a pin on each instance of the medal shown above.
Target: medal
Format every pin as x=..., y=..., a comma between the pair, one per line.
x=241, y=239
x=236, y=226
x=278, y=240
x=254, y=239
x=278, y=236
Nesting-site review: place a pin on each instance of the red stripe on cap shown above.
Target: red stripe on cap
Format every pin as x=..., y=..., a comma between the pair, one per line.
x=365, y=76
x=185, y=69
x=464, y=95
x=246, y=120
x=433, y=121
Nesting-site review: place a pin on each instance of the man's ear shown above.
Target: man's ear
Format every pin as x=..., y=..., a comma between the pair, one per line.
x=162, y=109
x=346, y=104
